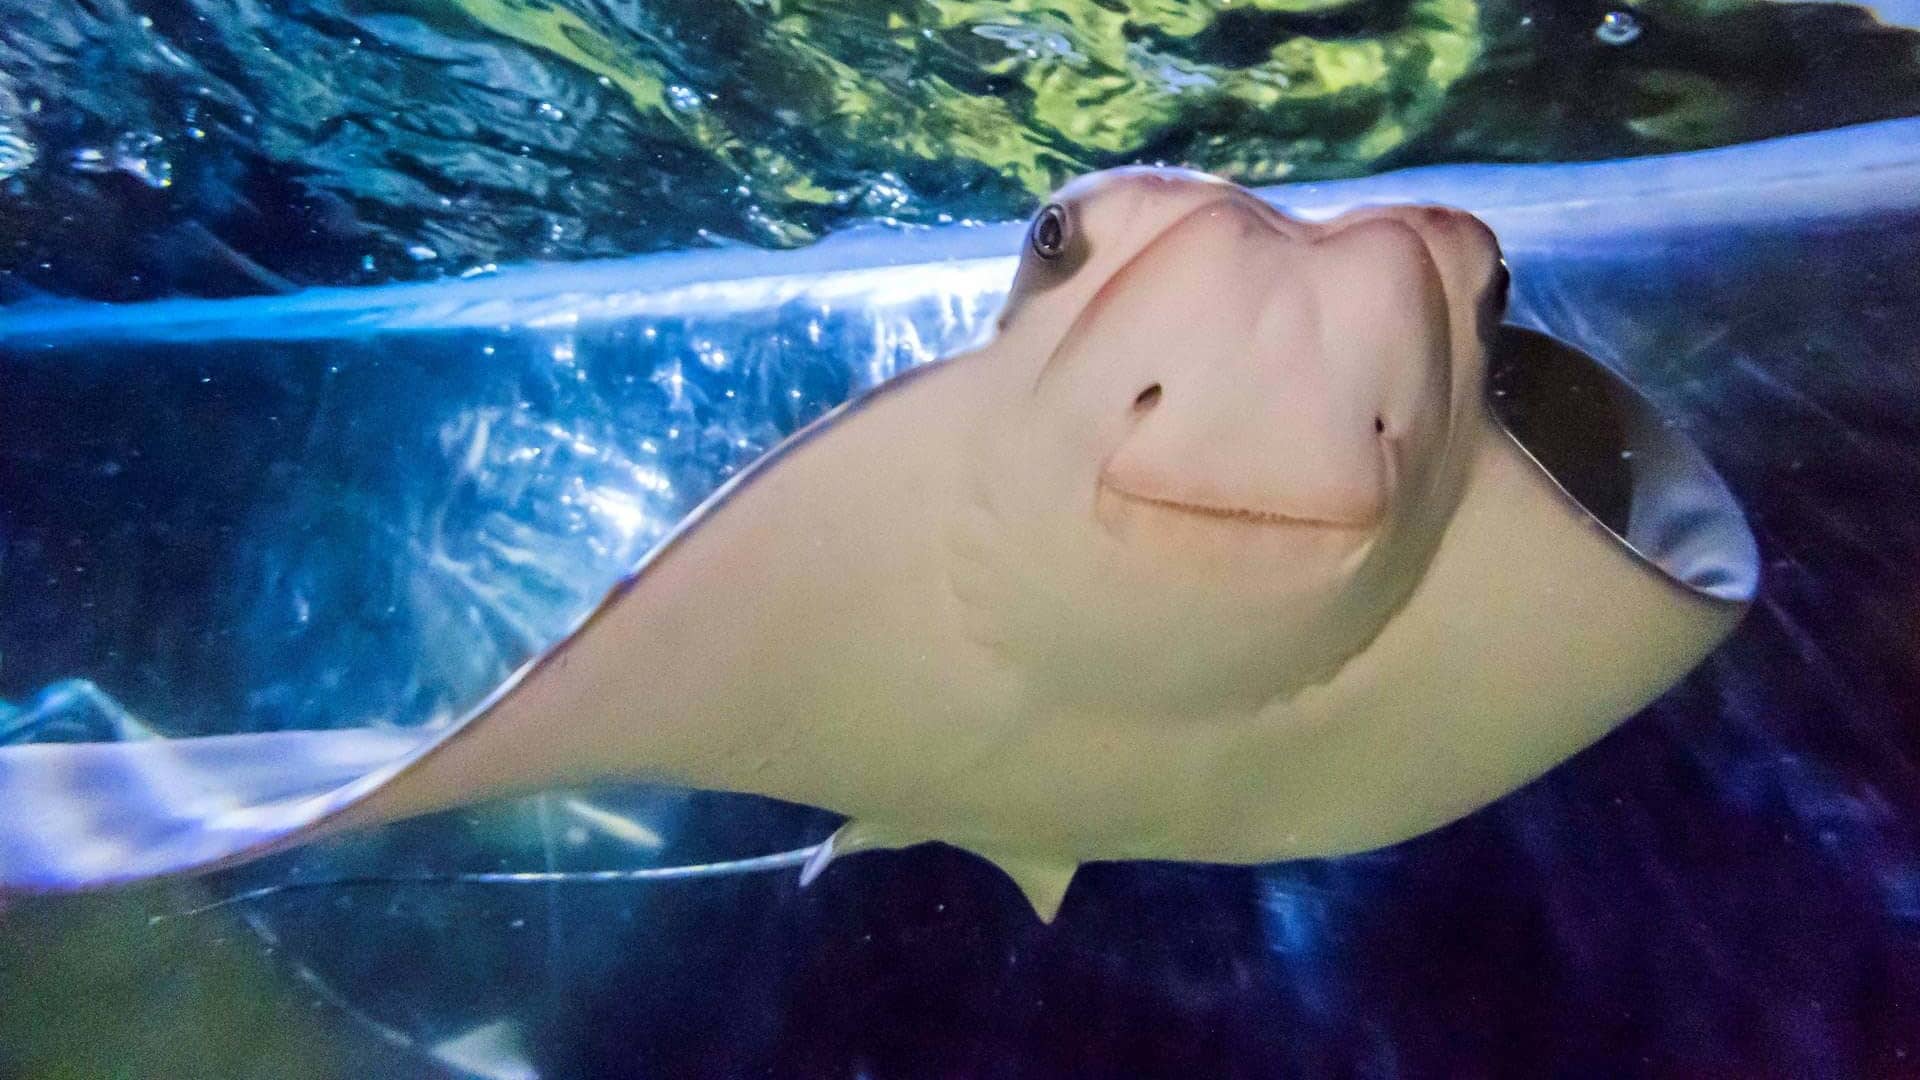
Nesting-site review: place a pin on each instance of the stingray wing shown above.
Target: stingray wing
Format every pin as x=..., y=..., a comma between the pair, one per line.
x=86, y=815
x=79, y=815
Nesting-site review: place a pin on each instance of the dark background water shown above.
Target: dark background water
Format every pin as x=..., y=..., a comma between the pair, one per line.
x=1727, y=886
x=217, y=147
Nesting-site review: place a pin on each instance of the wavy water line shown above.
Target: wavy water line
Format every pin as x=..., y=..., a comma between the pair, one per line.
x=1847, y=172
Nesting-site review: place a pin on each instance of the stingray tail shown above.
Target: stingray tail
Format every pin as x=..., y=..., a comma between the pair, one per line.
x=87, y=815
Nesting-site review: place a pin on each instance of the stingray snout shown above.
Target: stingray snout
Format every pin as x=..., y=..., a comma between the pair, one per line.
x=1252, y=446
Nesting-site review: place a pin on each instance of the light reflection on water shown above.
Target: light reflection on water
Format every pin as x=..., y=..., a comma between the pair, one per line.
x=197, y=148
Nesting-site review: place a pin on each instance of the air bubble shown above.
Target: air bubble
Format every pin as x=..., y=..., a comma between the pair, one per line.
x=682, y=99
x=1617, y=28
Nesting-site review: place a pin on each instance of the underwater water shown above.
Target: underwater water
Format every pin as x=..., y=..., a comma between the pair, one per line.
x=217, y=148
x=330, y=509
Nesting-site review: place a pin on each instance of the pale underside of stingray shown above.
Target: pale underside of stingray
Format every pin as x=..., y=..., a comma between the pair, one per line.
x=1216, y=551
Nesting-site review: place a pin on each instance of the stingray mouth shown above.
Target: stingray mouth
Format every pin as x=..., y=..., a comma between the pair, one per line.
x=1243, y=515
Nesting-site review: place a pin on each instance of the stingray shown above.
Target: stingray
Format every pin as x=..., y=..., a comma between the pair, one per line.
x=1243, y=538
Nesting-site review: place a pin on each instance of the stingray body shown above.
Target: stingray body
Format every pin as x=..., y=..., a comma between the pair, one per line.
x=1217, y=550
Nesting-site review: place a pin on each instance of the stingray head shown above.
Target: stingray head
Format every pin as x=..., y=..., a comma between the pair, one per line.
x=1233, y=449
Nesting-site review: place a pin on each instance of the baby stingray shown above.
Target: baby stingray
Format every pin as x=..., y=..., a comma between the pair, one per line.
x=1216, y=551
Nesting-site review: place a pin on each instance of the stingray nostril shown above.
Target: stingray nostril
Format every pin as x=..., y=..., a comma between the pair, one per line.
x=1147, y=399
x=1379, y=426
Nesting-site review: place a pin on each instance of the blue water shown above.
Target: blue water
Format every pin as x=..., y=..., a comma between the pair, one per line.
x=190, y=147
x=340, y=508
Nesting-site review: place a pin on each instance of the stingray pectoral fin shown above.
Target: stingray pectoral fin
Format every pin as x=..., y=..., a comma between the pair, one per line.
x=851, y=838
x=1044, y=883
x=83, y=815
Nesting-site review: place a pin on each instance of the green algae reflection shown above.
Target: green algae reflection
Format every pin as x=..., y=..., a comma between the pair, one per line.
x=823, y=109
x=422, y=138
x=1017, y=95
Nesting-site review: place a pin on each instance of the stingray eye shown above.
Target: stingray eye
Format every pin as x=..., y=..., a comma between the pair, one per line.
x=1049, y=236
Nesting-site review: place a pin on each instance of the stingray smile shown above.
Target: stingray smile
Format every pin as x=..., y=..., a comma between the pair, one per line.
x=1246, y=515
